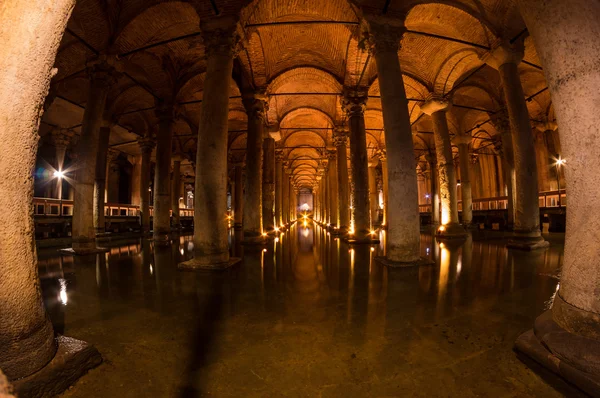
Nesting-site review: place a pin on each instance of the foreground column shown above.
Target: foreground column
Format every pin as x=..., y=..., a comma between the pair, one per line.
x=403, y=239
x=450, y=228
x=176, y=191
x=238, y=210
x=161, y=221
x=567, y=340
x=354, y=104
x=146, y=145
x=253, y=223
x=211, y=249
x=278, y=188
x=527, y=235
x=100, y=183
x=83, y=232
x=341, y=140
x=30, y=33
x=268, y=184
x=463, y=142
x=373, y=199
x=332, y=179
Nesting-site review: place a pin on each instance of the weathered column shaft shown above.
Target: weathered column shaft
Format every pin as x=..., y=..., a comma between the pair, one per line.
x=385, y=179
x=161, y=221
x=238, y=210
x=268, y=184
x=286, y=197
x=278, y=189
x=113, y=178
x=434, y=196
x=175, y=193
x=403, y=237
x=146, y=146
x=502, y=124
x=332, y=181
x=373, y=199
x=465, y=183
x=30, y=38
x=100, y=183
x=83, y=231
x=341, y=138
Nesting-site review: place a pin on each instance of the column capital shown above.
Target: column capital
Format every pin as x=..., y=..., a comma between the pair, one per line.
x=146, y=144
x=435, y=103
x=279, y=155
x=462, y=139
x=177, y=158
x=474, y=158
x=112, y=156
x=165, y=110
x=331, y=155
x=503, y=52
x=546, y=126
x=498, y=148
x=256, y=104
x=62, y=138
x=340, y=135
x=381, y=34
x=373, y=163
x=382, y=155
x=500, y=121
x=431, y=158
x=103, y=69
x=354, y=100
x=221, y=36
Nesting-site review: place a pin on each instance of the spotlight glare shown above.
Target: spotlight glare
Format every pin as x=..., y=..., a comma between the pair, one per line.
x=59, y=174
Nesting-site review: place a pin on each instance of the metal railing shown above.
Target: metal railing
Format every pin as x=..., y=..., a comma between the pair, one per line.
x=57, y=207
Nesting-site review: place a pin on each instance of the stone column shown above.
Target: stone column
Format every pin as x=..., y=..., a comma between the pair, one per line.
x=268, y=184
x=102, y=75
x=146, y=145
x=403, y=237
x=100, y=183
x=238, y=210
x=505, y=58
x=278, y=188
x=286, y=195
x=340, y=138
x=436, y=108
x=176, y=191
x=255, y=105
x=326, y=211
x=61, y=138
x=373, y=199
x=385, y=178
x=463, y=142
x=332, y=180
x=31, y=33
x=161, y=221
x=505, y=149
x=211, y=248
x=113, y=177
x=354, y=104
x=435, y=196
x=565, y=34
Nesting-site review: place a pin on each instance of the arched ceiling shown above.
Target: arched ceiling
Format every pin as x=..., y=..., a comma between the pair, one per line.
x=301, y=54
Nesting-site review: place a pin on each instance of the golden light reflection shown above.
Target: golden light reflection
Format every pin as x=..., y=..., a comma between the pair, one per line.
x=62, y=296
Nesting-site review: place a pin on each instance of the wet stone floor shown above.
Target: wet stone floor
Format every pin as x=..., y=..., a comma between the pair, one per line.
x=309, y=316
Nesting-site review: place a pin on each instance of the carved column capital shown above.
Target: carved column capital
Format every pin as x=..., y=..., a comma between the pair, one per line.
x=112, y=158
x=331, y=155
x=462, y=139
x=165, y=111
x=435, y=103
x=340, y=135
x=146, y=144
x=354, y=101
x=103, y=69
x=474, y=158
x=382, y=155
x=256, y=104
x=381, y=36
x=221, y=36
x=503, y=52
x=546, y=126
x=279, y=155
x=501, y=121
x=62, y=138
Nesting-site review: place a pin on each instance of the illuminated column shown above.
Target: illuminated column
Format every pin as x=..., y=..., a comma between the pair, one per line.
x=435, y=196
x=113, y=177
x=373, y=197
x=176, y=191
x=146, y=146
x=268, y=184
x=385, y=178
x=61, y=138
x=463, y=142
x=354, y=103
x=31, y=33
x=286, y=194
x=100, y=183
x=505, y=149
x=505, y=58
x=278, y=188
x=161, y=221
x=340, y=138
x=437, y=108
x=402, y=217
x=332, y=180
x=325, y=169
x=102, y=76
x=238, y=210
x=255, y=105
x=567, y=340
x=211, y=248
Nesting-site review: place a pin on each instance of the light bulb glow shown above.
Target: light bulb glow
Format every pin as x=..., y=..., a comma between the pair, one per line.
x=59, y=174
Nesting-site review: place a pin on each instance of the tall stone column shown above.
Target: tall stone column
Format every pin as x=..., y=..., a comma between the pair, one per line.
x=61, y=138
x=463, y=142
x=114, y=176
x=403, y=237
x=381, y=154
x=100, y=183
x=450, y=228
x=373, y=199
x=354, y=104
x=31, y=33
x=238, y=210
x=161, y=221
x=146, y=145
x=286, y=194
x=505, y=150
x=176, y=191
x=102, y=75
x=565, y=34
x=332, y=180
x=268, y=184
x=211, y=248
x=326, y=210
x=340, y=138
x=278, y=188
x=505, y=58
x=435, y=196
x=255, y=105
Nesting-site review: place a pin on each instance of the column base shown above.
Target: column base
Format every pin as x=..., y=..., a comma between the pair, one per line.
x=361, y=240
x=73, y=359
x=527, y=243
x=83, y=251
x=403, y=264
x=451, y=231
x=204, y=263
x=252, y=239
x=573, y=357
x=342, y=231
